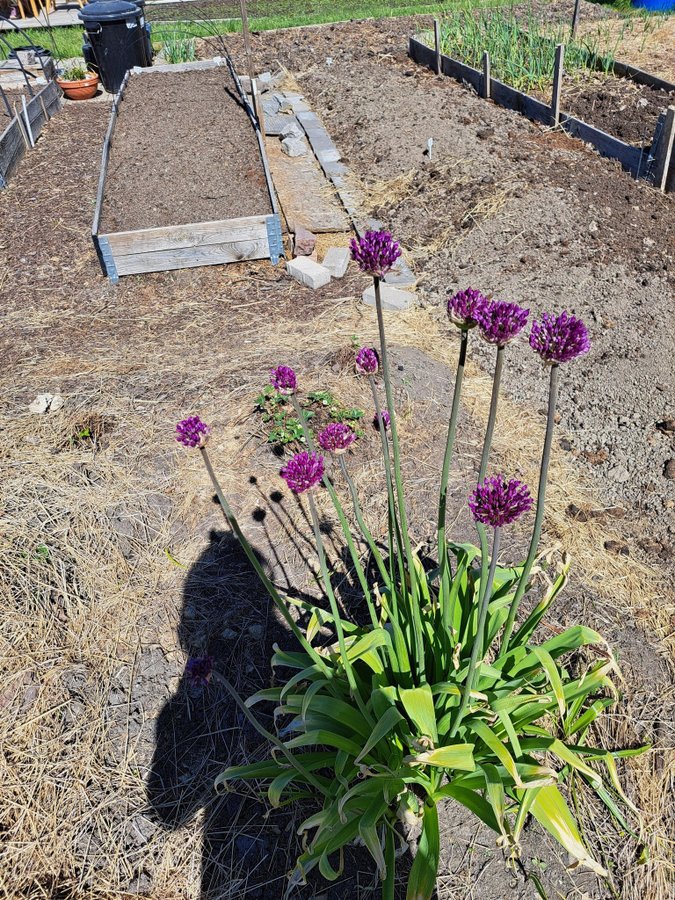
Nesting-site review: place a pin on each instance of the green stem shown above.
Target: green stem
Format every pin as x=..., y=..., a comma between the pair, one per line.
x=415, y=611
x=449, y=445
x=331, y=595
x=262, y=575
x=541, y=503
x=379, y=562
x=478, y=644
x=492, y=416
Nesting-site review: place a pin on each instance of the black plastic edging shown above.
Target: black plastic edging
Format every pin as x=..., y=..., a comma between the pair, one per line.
x=631, y=158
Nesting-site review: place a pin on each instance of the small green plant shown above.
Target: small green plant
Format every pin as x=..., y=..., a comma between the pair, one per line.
x=75, y=73
x=180, y=49
x=284, y=422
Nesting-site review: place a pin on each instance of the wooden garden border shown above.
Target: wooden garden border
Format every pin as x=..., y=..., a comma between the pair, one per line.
x=184, y=246
x=634, y=159
x=15, y=139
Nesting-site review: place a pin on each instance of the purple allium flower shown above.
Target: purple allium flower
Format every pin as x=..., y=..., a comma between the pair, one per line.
x=303, y=471
x=367, y=361
x=386, y=419
x=559, y=338
x=284, y=380
x=499, y=502
x=192, y=432
x=502, y=321
x=466, y=308
x=375, y=253
x=198, y=670
x=336, y=438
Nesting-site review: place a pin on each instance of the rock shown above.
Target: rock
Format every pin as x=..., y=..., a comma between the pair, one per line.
x=256, y=631
x=392, y=298
x=265, y=81
x=304, y=242
x=291, y=130
x=594, y=227
x=667, y=426
x=307, y=272
x=596, y=457
x=669, y=470
x=44, y=403
x=336, y=261
x=293, y=146
x=229, y=635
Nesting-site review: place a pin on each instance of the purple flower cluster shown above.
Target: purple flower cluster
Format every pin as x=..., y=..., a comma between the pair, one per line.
x=498, y=502
x=283, y=378
x=198, y=670
x=500, y=321
x=386, y=419
x=376, y=252
x=303, y=471
x=560, y=338
x=336, y=438
x=466, y=308
x=192, y=432
x=367, y=361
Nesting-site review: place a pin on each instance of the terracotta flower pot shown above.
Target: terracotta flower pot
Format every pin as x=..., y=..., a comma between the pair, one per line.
x=84, y=89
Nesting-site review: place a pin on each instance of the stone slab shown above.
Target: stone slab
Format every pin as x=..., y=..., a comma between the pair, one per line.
x=305, y=271
x=293, y=146
x=393, y=299
x=305, y=196
x=274, y=125
x=336, y=261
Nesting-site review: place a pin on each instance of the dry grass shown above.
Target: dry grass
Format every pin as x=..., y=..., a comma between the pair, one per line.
x=643, y=41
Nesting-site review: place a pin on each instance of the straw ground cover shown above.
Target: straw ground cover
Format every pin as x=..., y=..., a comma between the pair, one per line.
x=117, y=565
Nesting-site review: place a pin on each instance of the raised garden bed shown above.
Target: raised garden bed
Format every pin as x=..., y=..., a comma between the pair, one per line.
x=25, y=127
x=185, y=181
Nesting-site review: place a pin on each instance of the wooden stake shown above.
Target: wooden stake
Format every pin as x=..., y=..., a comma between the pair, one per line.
x=486, y=75
x=557, y=83
x=575, y=18
x=247, y=38
x=27, y=121
x=437, y=42
x=665, y=157
x=257, y=106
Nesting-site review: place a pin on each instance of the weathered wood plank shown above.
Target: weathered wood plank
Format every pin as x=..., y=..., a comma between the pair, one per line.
x=605, y=144
x=190, y=257
x=13, y=138
x=12, y=149
x=177, y=237
x=105, y=155
x=665, y=155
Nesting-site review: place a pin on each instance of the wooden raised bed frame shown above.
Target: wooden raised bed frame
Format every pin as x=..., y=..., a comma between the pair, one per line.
x=15, y=140
x=195, y=244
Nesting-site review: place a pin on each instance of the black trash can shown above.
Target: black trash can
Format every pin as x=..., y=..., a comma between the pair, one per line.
x=117, y=39
x=87, y=49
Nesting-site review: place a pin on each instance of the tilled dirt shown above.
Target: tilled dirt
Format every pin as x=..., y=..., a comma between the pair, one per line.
x=184, y=150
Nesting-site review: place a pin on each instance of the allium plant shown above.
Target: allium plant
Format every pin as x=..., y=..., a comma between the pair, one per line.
x=441, y=689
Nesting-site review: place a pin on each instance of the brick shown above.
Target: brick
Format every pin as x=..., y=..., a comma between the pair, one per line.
x=392, y=298
x=336, y=261
x=307, y=272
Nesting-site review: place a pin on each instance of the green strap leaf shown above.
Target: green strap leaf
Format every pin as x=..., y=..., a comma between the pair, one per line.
x=390, y=719
x=455, y=756
x=549, y=666
x=419, y=705
x=422, y=881
x=551, y=811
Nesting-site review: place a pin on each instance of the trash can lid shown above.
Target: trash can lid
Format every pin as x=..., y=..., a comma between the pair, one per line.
x=107, y=11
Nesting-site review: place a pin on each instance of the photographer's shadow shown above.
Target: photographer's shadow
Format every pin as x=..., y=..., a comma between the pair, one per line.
x=224, y=624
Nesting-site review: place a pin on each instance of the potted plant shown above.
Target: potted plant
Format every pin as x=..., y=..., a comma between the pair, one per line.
x=78, y=83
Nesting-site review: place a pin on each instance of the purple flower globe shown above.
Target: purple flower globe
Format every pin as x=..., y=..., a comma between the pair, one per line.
x=466, y=308
x=375, y=253
x=498, y=502
x=385, y=417
x=198, y=670
x=303, y=471
x=502, y=321
x=560, y=338
x=283, y=378
x=336, y=438
x=192, y=432
x=367, y=361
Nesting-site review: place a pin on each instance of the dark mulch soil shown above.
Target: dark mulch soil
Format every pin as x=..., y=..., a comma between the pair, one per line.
x=619, y=106
x=184, y=150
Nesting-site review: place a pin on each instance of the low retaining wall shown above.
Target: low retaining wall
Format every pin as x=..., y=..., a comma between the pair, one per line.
x=23, y=131
x=639, y=162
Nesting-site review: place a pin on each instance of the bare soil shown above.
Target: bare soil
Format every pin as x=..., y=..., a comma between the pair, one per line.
x=184, y=150
x=116, y=563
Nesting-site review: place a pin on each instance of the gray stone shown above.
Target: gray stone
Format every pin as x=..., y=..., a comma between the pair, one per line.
x=305, y=271
x=292, y=130
x=336, y=261
x=392, y=298
x=292, y=146
x=304, y=242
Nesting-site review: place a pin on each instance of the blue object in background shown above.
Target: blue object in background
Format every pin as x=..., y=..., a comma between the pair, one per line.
x=656, y=5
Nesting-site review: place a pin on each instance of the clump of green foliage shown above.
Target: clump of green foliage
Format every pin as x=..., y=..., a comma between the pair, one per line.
x=284, y=425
